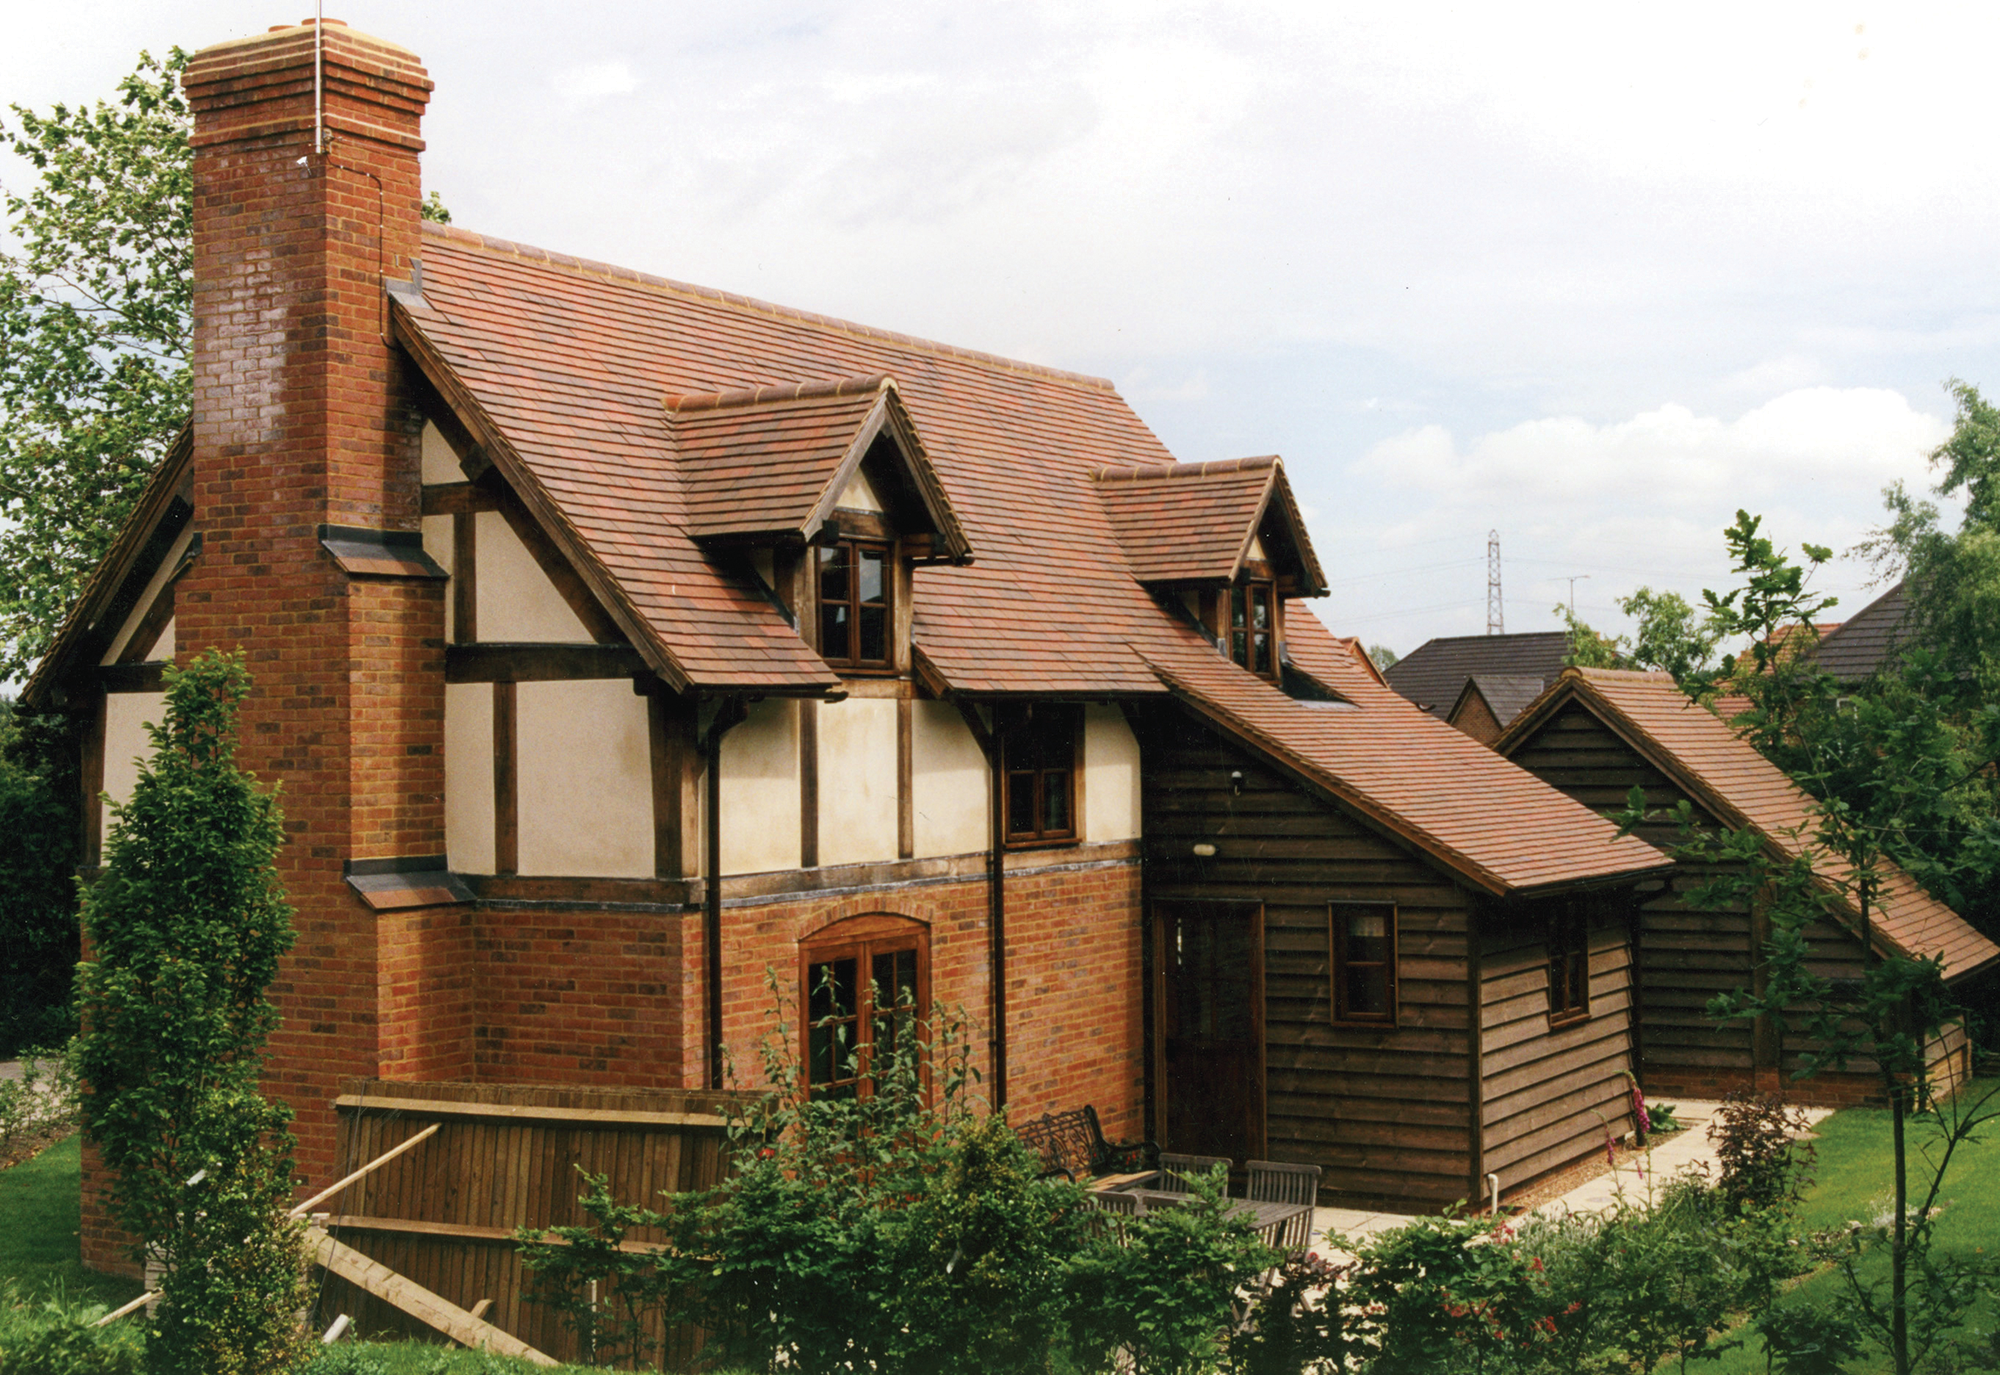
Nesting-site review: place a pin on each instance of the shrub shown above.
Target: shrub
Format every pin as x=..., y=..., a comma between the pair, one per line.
x=42, y=1100
x=51, y=1336
x=894, y=1232
x=1299, y=1325
x=1762, y=1165
x=188, y=923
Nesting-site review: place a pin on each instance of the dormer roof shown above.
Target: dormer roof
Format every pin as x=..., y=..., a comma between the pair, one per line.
x=770, y=464
x=1200, y=522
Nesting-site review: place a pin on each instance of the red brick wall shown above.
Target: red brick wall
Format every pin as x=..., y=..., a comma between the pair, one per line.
x=616, y=998
x=301, y=417
x=579, y=998
x=425, y=992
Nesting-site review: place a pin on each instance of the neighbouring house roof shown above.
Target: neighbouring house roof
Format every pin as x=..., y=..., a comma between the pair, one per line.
x=1434, y=673
x=1505, y=694
x=1853, y=650
x=1727, y=776
x=1197, y=522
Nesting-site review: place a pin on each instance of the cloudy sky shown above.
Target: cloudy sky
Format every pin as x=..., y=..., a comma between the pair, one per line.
x=1591, y=276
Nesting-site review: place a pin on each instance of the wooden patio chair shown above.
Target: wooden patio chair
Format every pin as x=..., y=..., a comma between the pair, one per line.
x=1271, y=1182
x=1113, y=1208
x=1177, y=1170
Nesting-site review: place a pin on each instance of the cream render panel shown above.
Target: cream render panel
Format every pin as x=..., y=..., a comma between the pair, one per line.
x=857, y=780
x=859, y=494
x=517, y=602
x=126, y=715
x=440, y=463
x=438, y=543
x=163, y=649
x=586, y=787
x=468, y=777
x=948, y=782
x=760, y=790
x=1110, y=776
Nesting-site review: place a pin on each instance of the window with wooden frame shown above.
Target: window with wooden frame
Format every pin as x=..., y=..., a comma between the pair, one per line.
x=1038, y=759
x=1364, y=963
x=1569, y=963
x=856, y=620
x=864, y=983
x=1253, y=626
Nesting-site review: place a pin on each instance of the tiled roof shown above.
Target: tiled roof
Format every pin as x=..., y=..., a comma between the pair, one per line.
x=1193, y=522
x=758, y=466
x=1699, y=751
x=572, y=361
x=1495, y=823
x=1434, y=673
x=1855, y=649
x=566, y=367
x=1505, y=694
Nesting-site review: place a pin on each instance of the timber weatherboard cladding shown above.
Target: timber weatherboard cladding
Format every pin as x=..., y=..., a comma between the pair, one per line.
x=1542, y=1087
x=1383, y=1109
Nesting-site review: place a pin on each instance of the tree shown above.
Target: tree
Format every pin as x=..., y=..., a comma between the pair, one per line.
x=38, y=944
x=94, y=333
x=1672, y=637
x=187, y=923
x=1383, y=657
x=1590, y=648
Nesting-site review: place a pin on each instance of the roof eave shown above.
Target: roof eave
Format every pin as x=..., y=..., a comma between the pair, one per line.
x=111, y=570
x=409, y=333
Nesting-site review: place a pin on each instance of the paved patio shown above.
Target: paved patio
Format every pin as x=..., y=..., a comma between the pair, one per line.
x=1633, y=1176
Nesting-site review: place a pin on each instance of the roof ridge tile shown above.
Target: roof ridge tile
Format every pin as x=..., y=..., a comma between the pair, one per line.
x=694, y=402
x=1137, y=472
x=488, y=243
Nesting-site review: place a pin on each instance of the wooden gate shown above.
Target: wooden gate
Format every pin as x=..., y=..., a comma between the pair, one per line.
x=443, y=1214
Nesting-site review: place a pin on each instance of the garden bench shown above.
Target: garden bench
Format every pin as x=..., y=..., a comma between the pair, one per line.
x=1072, y=1144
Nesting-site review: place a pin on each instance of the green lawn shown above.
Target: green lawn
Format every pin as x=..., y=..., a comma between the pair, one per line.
x=1857, y=1181
x=40, y=1206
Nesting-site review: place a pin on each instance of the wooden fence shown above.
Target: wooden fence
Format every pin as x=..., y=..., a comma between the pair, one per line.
x=443, y=1214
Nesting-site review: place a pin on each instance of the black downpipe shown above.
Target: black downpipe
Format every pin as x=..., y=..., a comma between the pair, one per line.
x=996, y=918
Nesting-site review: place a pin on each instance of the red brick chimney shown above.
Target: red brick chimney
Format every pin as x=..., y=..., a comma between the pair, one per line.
x=307, y=447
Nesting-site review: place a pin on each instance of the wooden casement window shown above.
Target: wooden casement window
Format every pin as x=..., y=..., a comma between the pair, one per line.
x=1569, y=963
x=1038, y=755
x=1253, y=626
x=865, y=983
x=1364, y=963
x=855, y=621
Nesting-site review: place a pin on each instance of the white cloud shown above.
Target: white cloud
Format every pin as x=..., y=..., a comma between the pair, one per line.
x=595, y=81
x=1670, y=459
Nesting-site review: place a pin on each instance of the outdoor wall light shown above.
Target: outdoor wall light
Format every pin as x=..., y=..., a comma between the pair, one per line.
x=1236, y=782
x=1204, y=849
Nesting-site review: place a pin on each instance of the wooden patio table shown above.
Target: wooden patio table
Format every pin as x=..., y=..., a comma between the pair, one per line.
x=1268, y=1219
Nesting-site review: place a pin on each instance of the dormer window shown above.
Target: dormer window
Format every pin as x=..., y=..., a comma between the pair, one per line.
x=1253, y=626
x=855, y=581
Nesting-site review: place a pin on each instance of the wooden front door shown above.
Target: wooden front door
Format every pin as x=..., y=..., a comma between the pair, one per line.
x=1209, y=1032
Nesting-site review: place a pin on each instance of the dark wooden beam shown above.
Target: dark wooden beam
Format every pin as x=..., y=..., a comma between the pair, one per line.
x=667, y=726
x=464, y=578
x=92, y=781
x=458, y=498
x=506, y=782
x=809, y=785
x=148, y=677
x=536, y=663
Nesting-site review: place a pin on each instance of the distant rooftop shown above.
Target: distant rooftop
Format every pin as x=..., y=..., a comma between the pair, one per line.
x=1433, y=674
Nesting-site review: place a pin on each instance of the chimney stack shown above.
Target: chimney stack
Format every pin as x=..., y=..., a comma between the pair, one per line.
x=306, y=200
